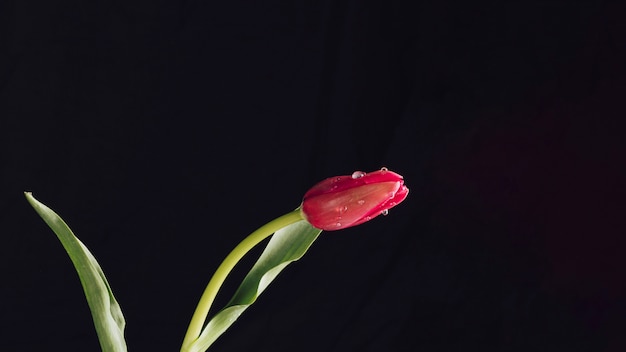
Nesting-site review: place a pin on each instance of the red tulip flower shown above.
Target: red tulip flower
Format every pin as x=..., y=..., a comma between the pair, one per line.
x=344, y=201
x=335, y=203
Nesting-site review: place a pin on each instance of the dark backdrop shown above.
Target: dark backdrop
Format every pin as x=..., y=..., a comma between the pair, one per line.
x=164, y=132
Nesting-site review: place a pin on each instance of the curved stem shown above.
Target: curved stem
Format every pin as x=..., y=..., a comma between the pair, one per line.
x=202, y=309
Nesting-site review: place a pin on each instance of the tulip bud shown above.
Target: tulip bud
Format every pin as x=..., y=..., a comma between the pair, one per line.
x=344, y=201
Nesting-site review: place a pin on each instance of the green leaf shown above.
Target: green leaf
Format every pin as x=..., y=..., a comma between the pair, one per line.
x=286, y=246
x=106, y=312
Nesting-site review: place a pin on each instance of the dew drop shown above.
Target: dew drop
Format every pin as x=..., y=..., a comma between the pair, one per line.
x=360, y=202
x=338, y=224
x=384, y=169
x=342, y=209
x=358, y=174
x=384, y=212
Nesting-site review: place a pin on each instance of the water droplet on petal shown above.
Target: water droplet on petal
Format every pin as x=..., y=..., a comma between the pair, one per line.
x=338, y=224
x=384, y=169
x=384, y=212
x=342, y=209
x=360, y=202
x=358, y=174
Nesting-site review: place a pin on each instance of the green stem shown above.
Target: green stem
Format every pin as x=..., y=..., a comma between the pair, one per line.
x=202, y=309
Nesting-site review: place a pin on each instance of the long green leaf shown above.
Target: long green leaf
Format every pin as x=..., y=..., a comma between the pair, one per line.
x=286, y=245
x=106, y=312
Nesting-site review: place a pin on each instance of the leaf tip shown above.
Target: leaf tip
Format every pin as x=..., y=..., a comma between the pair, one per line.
x=29, y=197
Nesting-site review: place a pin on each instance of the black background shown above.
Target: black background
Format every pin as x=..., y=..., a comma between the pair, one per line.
x=164, y=132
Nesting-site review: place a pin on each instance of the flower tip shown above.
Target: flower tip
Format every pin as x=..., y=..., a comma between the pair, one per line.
x=345, y=201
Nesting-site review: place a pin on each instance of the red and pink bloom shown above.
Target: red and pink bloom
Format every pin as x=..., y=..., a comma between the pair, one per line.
x=344, y=201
